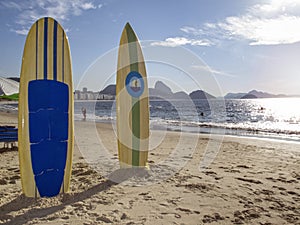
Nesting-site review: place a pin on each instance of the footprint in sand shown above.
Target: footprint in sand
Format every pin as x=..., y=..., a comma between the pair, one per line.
x=212, y=218
x=3, y=181
x=146, y=196
x=213, y=174
x=104, y=219
x=245, y=215
x=291, y=218
x=248, y=180
x=13, y=179
x=188, y=211
x=199, y=187
x=279, y=188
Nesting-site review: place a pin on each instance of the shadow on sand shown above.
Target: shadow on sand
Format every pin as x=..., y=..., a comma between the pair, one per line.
x=22, y=202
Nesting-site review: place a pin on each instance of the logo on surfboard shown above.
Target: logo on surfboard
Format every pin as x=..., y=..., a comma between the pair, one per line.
x=134, y=84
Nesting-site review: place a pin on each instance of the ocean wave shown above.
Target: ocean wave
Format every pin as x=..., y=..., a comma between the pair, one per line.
x=210, y=127
x=9, y=107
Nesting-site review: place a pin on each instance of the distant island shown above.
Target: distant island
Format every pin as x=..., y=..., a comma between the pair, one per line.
x=255, y=94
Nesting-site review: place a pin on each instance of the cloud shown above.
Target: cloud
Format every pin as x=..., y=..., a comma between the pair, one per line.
x=274, y=23
x=10, y=5
x=88, y=5
x=180, y=41
x=214, y=71
x=281, y=30
x=32, y=10
x=20, y=31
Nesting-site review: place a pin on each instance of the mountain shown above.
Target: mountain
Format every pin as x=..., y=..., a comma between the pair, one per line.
x=181, y=95
x=109, y=90
x=261, y=94
x=248, y=96
x=253, y=94
x=199, y=94
x=159, y=85
x=162, y=91
x=234, y=95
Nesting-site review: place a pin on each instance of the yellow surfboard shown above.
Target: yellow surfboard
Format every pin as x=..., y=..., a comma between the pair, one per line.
x=132, y=102
x=45, y=129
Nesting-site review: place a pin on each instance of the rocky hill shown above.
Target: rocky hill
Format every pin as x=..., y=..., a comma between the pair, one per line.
x=162, y=91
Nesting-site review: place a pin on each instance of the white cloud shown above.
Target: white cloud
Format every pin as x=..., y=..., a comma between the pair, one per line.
x=10, y=5
x=32, y=10
x=274, y=23
x=88, y=5
x=214, y=71
x=191, y=30
x=20, y=31
x=280, y=30
x=180, y=41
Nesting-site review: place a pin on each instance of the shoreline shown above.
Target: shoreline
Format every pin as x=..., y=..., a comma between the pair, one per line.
x=226, y=132
x=13, y=116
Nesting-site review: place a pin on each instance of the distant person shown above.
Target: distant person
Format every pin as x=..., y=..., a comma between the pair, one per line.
x=83, y=110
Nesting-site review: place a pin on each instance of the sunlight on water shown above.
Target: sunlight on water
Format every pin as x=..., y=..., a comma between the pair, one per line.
x=277, y=116
x=284, y=109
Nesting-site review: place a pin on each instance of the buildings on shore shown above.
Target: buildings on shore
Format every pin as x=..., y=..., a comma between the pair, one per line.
x=90, y=95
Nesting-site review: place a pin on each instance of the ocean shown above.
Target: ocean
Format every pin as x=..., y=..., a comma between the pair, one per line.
x=275, y=118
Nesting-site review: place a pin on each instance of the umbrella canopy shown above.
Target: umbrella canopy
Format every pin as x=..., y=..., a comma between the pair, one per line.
x=8, y=86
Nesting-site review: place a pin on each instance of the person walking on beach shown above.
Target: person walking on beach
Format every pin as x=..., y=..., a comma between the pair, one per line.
x=83, y=110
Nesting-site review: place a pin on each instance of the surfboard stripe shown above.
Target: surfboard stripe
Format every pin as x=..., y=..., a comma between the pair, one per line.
x=135, y=131
x=36, y=49
x=55, y=51
x=59, y=59
x=50, y=50
x=124, y=142
x=45, y=47
x=63, y=58
x=40, y=49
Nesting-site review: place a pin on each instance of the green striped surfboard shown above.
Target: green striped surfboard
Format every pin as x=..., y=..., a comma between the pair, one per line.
x=132, y=102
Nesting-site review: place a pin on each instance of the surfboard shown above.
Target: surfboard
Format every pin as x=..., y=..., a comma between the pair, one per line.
x=132, y=102
x=45, y=128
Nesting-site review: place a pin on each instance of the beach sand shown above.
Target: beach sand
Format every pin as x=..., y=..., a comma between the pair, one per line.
x=250, y=181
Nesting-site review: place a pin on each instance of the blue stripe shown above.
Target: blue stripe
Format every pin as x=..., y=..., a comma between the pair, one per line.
x=55, y=51
x=36, y=49
x=63, y=56
x=45, y=47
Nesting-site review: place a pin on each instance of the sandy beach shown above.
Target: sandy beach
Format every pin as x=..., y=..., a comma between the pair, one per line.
x=250, y=181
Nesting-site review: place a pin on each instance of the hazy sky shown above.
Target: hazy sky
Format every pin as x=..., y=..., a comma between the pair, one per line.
x=246, y=44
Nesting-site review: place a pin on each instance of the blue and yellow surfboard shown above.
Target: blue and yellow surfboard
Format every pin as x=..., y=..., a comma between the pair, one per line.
x=45, y=134
x=132, y=102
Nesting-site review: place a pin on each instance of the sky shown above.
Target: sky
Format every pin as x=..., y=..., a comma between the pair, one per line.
x=219, y=46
